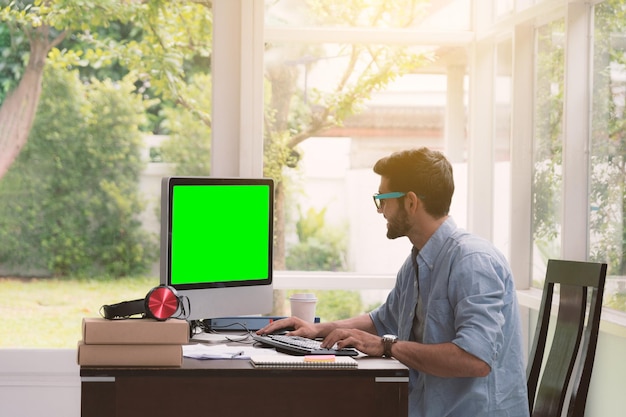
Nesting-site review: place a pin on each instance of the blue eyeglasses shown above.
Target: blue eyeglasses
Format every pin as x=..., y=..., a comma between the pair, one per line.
x=379, y=197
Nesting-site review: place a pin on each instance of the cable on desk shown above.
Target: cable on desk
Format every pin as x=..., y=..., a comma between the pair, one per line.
x=199, y=326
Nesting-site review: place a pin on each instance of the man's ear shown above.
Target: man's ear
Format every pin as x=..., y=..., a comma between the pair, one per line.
x=412, y=200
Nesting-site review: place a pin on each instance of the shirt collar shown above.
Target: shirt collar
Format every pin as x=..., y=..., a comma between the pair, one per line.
x=433, y=246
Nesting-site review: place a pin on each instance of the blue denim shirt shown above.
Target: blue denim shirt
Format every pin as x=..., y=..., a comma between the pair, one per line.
x=469, y=299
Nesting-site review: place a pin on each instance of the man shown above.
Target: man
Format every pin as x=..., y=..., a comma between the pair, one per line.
x=452, y=316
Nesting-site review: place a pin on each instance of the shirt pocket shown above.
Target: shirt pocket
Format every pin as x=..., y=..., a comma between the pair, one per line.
x=439, y=322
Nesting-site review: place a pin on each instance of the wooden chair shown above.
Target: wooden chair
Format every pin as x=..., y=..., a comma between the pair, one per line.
x=566, y=373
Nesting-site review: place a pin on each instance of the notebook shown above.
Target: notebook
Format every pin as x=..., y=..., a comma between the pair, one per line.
x=309, y=361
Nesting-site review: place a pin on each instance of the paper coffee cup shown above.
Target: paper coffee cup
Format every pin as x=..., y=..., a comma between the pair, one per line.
x=303, y=306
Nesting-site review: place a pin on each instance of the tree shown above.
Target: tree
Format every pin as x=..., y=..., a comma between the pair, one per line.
x=173, y=34
x=71, y=205
x=14, y=47
x=18, y=108
x=189, y=140
x=39, y=22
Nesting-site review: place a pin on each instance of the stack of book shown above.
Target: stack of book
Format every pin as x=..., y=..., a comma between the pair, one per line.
x=132, y=342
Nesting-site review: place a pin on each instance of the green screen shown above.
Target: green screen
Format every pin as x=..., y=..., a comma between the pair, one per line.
x=220, y=233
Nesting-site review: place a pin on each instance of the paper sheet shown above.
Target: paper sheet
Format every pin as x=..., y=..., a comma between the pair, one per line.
x=203, y=351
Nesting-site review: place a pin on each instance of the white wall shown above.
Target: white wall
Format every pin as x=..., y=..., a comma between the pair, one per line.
x=39, y=382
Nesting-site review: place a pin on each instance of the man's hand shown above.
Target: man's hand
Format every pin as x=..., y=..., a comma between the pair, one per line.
x=366, y=342
x=300, y=327
x=358, y=332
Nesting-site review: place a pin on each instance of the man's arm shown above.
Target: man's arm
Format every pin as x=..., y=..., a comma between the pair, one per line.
x=444, y=359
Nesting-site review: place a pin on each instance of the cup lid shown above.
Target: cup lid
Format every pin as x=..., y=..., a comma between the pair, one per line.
x=307, y=296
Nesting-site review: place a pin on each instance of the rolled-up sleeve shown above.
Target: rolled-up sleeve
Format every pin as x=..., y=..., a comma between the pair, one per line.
x=478, y=297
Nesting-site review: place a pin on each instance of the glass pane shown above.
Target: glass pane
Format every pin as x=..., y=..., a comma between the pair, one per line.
x=608, y=150
x=329, y=182
x=548, y=145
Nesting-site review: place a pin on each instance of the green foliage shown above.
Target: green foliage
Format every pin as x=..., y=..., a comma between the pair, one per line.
x=617, y=301
x=86, y=52
x=309, y=226
x=171, y=44
x=320, y=247
x=14, y=54
x=339, y=304
x=313, y=255
x=69, y=204
x=608, y=143
x=165, y=43
x=189, y=144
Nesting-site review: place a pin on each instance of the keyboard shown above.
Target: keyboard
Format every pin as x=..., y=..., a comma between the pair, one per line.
x=296, y=345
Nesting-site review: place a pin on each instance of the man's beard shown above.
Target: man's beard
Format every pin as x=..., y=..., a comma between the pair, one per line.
x=398, y=226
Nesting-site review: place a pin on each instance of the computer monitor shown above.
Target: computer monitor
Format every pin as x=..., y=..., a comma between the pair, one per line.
x=216, y=244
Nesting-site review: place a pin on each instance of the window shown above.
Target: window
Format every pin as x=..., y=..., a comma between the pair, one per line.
x=548, y=144
x=608, y=151
x=328, y=177
x=389, y=85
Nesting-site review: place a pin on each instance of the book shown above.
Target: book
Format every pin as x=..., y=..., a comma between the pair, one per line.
x=309, y=361
x=130, y=355
x=100, y=331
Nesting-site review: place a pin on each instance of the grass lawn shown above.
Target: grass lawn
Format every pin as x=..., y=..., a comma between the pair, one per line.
x=47, y=313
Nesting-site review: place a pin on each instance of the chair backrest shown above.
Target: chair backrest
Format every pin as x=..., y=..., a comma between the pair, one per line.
x=567, y=369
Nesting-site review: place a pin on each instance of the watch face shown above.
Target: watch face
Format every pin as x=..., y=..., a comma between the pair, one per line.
x=388, y=340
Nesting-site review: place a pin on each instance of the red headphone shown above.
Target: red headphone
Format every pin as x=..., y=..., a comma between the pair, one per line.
x=161, y=303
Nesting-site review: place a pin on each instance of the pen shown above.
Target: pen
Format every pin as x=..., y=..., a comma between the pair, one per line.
x=234, y=355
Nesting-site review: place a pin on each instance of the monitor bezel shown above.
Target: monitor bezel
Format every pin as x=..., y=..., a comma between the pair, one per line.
x=168, y=185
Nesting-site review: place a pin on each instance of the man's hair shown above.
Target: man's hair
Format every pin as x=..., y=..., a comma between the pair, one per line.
x=425, y=172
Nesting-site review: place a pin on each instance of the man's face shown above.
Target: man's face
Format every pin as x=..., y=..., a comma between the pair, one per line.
x=393, y=210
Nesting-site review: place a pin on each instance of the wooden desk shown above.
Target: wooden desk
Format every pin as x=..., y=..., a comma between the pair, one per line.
x=231, y=388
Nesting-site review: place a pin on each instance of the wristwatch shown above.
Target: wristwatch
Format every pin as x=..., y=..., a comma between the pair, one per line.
x=388, y=340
